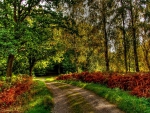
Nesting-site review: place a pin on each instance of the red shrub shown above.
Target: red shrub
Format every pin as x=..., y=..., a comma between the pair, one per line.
x=7, y=97
x=137, y=83
x=96, y=78
x=141, y=91
x=120, y=81
x=80, y=76
x=64, y=77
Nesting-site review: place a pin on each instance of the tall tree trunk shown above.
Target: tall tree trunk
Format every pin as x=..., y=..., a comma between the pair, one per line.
x=59, y=69
x=125, y=50
x=31, y=70
x=134, y=39
x=9, y=67
x=129, y=62
x=135, y=51
x=106, y=43
x=32, y=62
x=124, y=38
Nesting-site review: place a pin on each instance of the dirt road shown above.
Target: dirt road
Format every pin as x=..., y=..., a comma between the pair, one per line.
x=71, y=99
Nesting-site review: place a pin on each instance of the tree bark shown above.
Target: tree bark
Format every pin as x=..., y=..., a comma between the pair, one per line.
x=31, y=70
x=59, y=69
x=106, y=43
x=135, y=51
x=32, y=62
x=124, y=38
x=134, y=39
x=9, y=67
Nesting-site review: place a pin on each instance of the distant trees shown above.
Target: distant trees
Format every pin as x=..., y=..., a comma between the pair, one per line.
x=118, y=26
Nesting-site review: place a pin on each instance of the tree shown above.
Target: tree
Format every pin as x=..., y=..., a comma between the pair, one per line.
x=122, y=11
x=103, y=10
x=15, y=27
x=133, y=9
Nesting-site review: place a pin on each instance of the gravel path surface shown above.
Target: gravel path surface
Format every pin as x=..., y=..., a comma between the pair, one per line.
x=71, y=99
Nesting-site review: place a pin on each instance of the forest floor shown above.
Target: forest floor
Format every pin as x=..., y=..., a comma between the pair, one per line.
x=71, y=99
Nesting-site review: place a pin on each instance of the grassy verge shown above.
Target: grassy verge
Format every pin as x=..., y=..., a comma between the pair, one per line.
x=41, y=99
x=124, y=101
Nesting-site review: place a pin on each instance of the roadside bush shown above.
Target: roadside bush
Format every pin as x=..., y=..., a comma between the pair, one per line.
x=8, y=95
x=137, y=84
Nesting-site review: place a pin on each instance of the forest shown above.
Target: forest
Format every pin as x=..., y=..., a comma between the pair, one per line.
x=91, y=38
x=74, y=36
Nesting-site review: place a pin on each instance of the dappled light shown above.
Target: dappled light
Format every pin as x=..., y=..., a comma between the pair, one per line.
x=78, y=100
x=98, y=45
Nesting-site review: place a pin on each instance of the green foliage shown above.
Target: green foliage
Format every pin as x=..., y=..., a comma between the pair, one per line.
x=2, y=66
x=67, y=64
x=124, y=101
x=21, y=65
x=7, y=42
x=41, y=101
x=40, y=71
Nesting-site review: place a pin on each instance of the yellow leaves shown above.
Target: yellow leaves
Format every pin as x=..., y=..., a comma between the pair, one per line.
x=30, y=21
x=81, y=59
x=84, y=28
x=57, y=32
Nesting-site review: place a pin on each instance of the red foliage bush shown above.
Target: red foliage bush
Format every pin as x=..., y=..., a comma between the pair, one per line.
x=64, y=77
x=81, y=76
x=138, y=83
x=141, y=91
x=122, y=82
x=141, y=85
x=96, y=77
x=8, y=96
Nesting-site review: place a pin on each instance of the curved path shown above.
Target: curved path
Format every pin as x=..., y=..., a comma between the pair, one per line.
x=71, y=99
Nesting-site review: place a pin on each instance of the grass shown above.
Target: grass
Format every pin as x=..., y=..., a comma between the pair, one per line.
x=41, y=101
x=46, y=78
x=124, y=101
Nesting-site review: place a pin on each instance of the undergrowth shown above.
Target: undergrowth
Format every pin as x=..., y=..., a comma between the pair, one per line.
x=25, y=96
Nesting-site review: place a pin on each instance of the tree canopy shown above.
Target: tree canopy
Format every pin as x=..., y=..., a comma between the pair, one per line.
x=77, y=35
